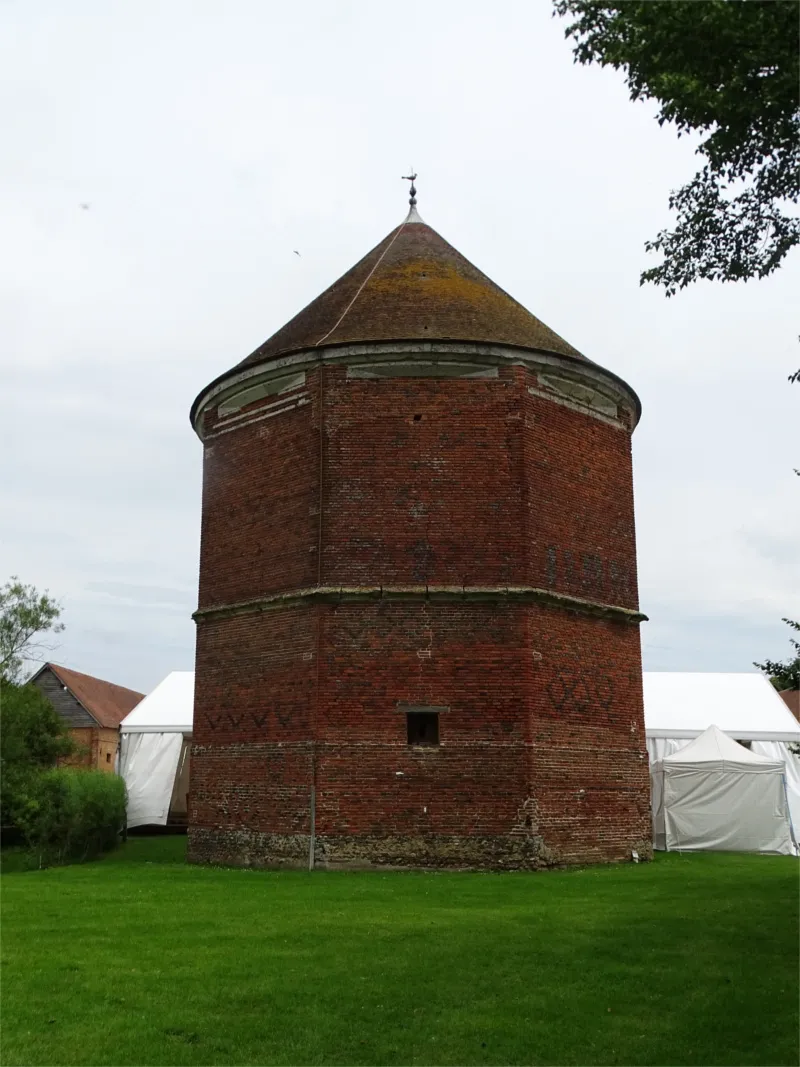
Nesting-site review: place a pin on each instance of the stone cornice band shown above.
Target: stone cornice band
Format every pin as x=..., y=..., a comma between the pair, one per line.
x=434, y=593
x=372, y=353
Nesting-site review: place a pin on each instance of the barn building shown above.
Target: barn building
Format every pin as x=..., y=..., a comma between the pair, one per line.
x=418, y=624
x=91, y=709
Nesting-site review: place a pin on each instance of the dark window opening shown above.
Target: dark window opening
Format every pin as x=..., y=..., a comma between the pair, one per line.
x=423, y=727
x=417, y=418
x=108, y=757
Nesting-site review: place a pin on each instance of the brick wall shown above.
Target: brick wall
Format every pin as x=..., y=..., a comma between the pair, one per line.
x=97, y=747
x=84, y=754
x=428, y=486
x=259, y=521
x=107, y=743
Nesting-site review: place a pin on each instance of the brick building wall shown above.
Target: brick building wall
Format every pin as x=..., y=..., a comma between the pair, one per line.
x=97, y=747
x=374, y=543
x=106, y=746
x=791, y=698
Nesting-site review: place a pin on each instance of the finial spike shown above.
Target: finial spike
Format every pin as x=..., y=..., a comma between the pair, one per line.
x=412, y=177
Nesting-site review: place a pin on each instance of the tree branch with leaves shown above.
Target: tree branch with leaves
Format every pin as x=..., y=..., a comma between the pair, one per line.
x=728, y=70
x=784, y=674
x=26, y=616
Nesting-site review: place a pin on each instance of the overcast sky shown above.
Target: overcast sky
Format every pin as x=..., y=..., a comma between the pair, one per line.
x=211, y=140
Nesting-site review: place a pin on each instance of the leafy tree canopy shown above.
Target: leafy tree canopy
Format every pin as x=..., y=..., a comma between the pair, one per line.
x=728, y=70
x=25, y=616
x=784, y=674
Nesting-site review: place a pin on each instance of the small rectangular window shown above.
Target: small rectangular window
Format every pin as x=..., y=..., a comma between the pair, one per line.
x=108, y=757
x=422, y=727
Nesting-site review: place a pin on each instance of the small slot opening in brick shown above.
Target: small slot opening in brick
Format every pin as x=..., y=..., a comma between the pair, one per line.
x=417, y=418
x=422, y=727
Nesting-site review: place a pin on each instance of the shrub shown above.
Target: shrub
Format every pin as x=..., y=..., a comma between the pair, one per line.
x=32, y=738
x=71, y=814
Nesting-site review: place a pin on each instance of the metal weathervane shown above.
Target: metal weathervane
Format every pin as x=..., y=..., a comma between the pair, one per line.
x=412, y=177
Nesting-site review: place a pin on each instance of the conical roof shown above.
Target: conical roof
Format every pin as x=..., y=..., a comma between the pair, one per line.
x=413, y=286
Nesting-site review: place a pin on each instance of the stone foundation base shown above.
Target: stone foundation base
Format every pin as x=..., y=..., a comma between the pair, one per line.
x=501, y=852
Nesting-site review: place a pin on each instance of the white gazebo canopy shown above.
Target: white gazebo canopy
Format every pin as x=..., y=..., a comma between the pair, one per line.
x=716, y=751
x=714, y=794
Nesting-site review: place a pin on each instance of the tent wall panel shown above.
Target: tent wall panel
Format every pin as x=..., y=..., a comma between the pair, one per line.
x=148, y=764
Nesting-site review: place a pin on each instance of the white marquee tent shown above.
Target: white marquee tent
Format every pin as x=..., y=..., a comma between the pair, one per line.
x=679, y=707
x=714, y=794
x=744, y=706
x=154, y=751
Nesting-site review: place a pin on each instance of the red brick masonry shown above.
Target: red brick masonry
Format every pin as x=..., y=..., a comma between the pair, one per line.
x=464, y=544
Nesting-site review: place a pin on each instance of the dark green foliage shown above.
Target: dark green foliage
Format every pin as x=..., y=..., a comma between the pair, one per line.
x=64, y=814
x=25, y=615
x=141, y=959
x=71, y=814
x=784, y=674
x=32, y=739
x=728, y=70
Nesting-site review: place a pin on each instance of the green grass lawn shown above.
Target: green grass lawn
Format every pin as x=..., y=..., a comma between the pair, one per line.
x=140, y=959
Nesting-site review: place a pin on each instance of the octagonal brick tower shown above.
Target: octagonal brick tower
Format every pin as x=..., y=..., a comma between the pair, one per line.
x=417, y=633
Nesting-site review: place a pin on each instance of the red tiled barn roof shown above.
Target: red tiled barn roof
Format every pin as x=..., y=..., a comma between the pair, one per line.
x=106, y=702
